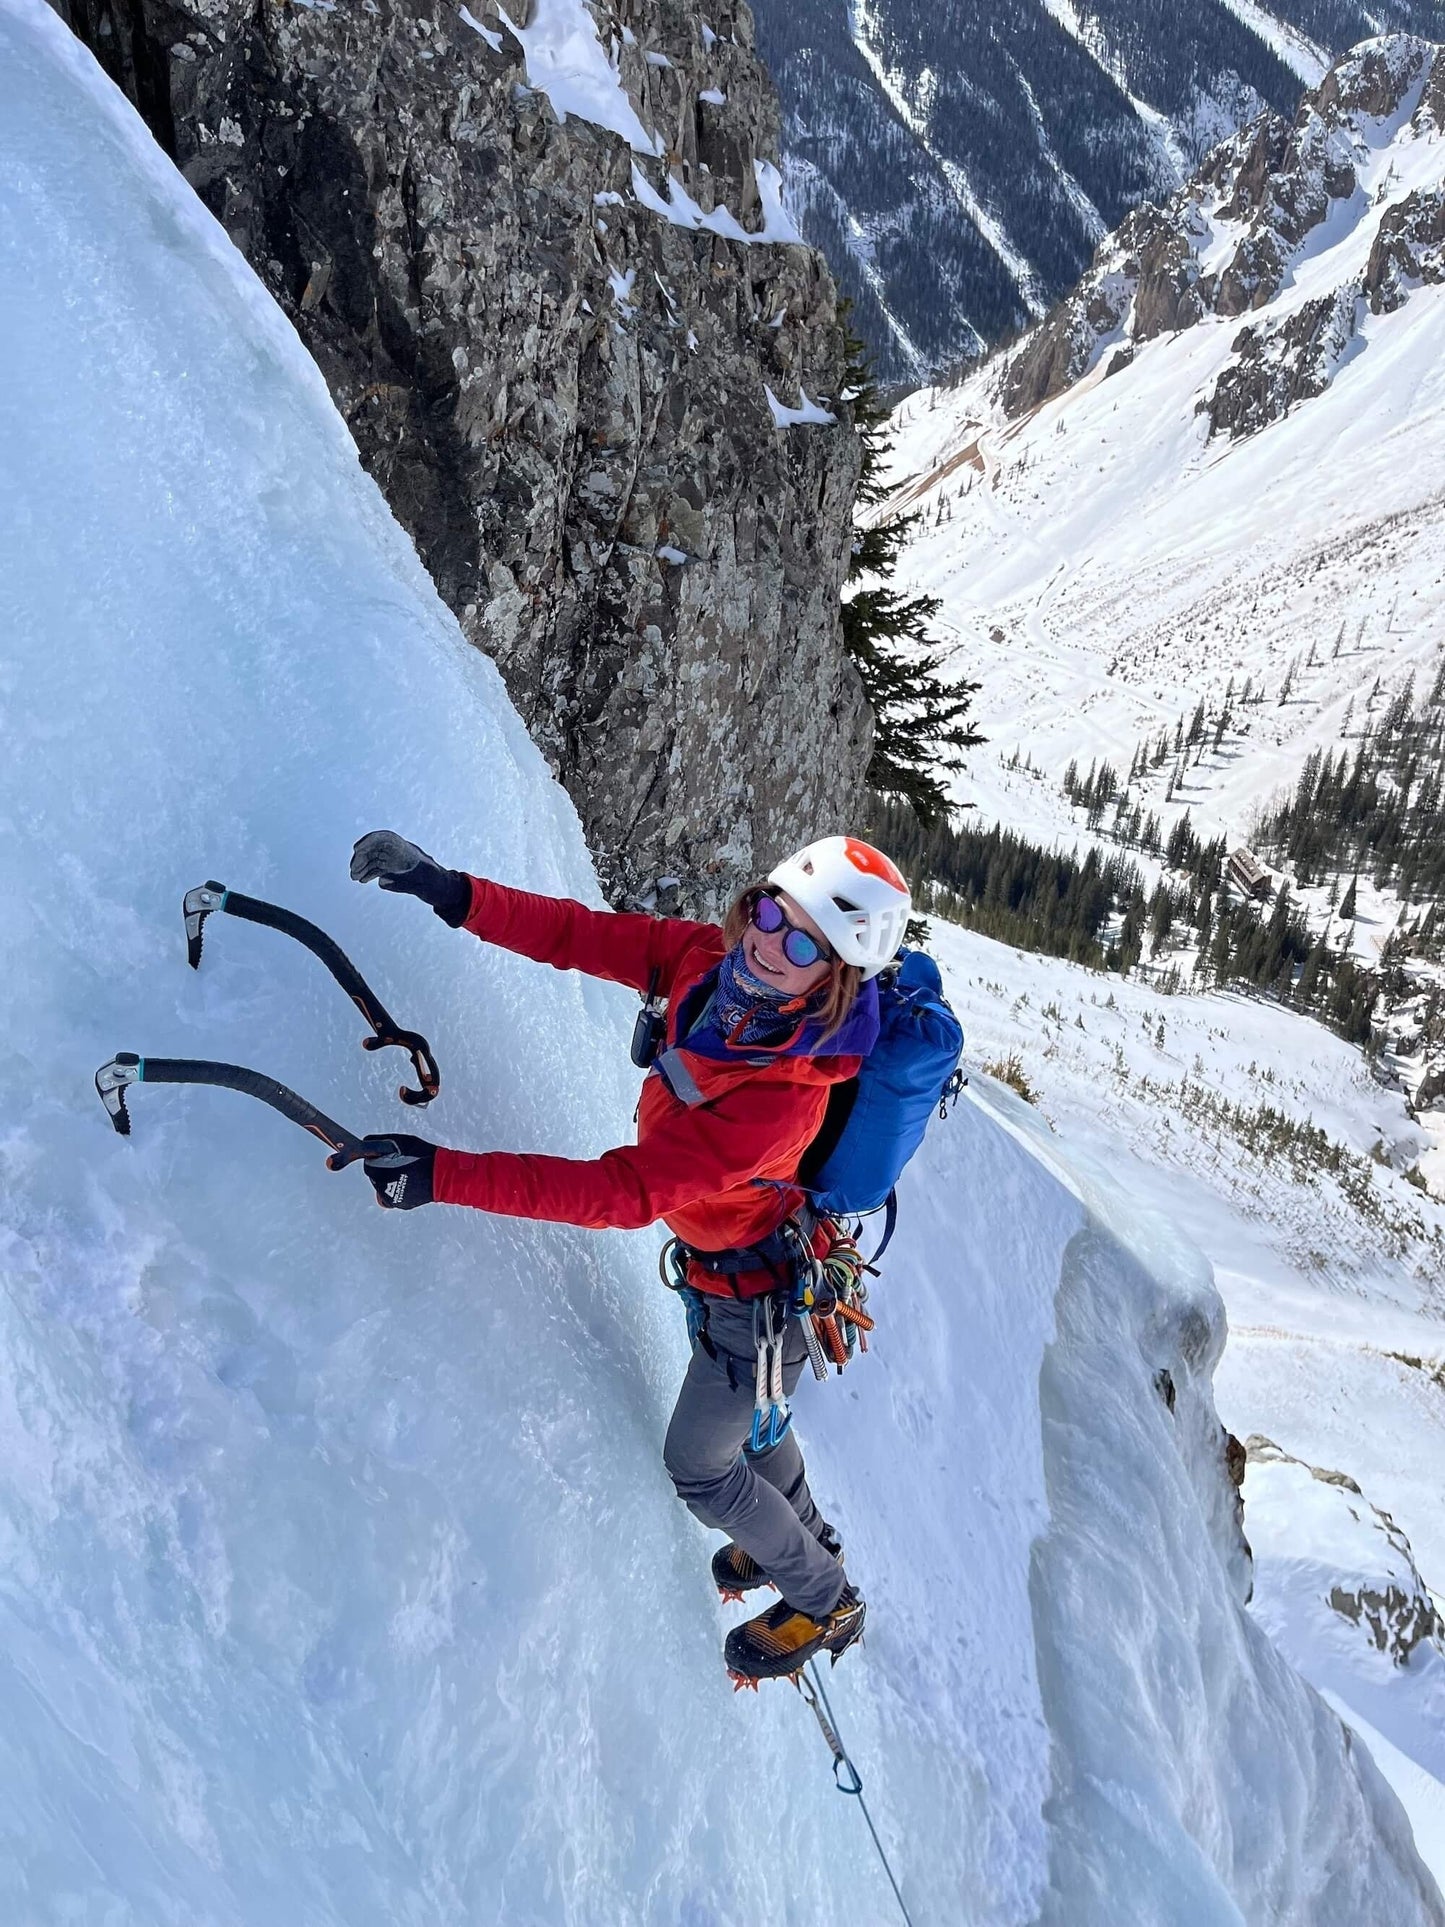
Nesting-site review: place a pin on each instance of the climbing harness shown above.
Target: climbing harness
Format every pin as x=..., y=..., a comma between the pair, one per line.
x=827, y=1296
x=114, y=1079
x=846, y=1776
x=208, y=897
x=786, y=1255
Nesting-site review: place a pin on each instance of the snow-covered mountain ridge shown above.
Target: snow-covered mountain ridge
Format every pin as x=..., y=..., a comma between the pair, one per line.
x=959, y=162
x=1356, y=178
x=341, y=1581
x=1112, y=567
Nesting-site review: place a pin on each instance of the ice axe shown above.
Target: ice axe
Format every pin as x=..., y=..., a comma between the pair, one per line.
x=206, y=898
x=114, y=1079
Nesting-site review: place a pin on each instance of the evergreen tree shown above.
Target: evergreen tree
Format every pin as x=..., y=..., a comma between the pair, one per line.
x=995, y=882
x=1347, y=908
x=920, y=711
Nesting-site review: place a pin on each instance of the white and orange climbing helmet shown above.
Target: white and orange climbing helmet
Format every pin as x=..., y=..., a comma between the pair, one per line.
x=855, y=895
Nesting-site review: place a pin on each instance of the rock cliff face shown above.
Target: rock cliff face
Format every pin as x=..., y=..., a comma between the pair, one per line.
x=543, y=266
x=1227, y=245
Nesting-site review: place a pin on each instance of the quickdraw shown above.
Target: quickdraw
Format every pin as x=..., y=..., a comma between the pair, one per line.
x=771, y=1414
x=837, y=1322
x=672, y=1269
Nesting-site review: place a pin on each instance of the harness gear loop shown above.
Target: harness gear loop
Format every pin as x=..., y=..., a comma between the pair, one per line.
x=810, y=1684
x=672, y=1269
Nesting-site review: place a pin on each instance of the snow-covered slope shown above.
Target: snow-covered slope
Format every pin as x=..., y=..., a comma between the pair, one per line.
x=1105, y=561
x=1330, y=1263
x=341, y=1580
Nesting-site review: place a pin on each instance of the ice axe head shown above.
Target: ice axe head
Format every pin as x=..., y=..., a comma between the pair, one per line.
x=111, y=1081
x=198, y=905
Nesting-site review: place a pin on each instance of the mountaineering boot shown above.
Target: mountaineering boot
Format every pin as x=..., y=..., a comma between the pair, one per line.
x=781, y=1641
x=735, y=1572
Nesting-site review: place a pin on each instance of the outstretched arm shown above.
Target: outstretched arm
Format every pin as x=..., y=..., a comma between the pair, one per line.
x=622, y=947
x=751, y=1132
x=553, y=930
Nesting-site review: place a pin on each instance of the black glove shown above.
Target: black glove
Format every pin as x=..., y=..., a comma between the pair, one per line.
x=400, y=1169
x=395, y=864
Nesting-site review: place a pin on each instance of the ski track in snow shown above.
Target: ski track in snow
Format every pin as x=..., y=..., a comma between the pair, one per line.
x=1298, y=52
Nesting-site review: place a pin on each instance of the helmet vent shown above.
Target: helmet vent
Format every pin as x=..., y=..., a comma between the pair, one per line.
x=844, y=904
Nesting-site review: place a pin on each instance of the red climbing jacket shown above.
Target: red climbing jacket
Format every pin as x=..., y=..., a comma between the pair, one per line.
x=694, y=1164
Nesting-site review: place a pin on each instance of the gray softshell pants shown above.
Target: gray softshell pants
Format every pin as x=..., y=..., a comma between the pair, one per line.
x=759, y=1499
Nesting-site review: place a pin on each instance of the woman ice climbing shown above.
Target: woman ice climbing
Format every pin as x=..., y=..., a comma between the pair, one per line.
x=764, y=1015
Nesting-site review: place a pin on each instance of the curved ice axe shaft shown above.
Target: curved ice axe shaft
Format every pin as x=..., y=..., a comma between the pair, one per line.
x=112, y=1081
x=207, y=897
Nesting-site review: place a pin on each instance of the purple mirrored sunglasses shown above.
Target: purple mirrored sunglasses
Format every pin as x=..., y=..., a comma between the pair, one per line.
x=800, y=947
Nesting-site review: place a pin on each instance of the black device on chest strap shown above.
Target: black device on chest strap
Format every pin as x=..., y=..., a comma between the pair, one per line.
x=649, y=1033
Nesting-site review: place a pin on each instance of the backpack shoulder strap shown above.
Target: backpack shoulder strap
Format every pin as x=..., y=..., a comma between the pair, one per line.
x=672, y=1067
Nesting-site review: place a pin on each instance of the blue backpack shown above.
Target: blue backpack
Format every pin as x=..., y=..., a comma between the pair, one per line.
x=875, y=1122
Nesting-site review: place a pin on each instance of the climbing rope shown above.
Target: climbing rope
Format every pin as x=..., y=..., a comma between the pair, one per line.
x=810, y=1684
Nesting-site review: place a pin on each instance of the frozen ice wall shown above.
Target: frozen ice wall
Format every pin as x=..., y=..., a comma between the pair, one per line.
x=1197, y=1778
x=339, y=1577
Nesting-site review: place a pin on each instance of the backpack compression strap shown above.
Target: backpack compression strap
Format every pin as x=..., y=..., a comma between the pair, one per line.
x=890, y=1224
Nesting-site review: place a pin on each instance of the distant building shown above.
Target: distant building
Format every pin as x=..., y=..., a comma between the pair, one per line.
x=1248, y=875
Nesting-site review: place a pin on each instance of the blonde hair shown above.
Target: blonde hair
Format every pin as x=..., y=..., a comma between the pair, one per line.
x=842, y=986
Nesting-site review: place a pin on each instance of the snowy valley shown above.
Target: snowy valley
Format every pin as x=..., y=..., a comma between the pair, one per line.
x=1189, y=531
x=341, y=1578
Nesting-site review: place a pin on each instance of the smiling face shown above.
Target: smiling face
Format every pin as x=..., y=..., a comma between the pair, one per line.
x=764, y=956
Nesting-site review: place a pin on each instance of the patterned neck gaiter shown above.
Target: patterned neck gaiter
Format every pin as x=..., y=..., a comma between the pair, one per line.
x=750, y=1012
